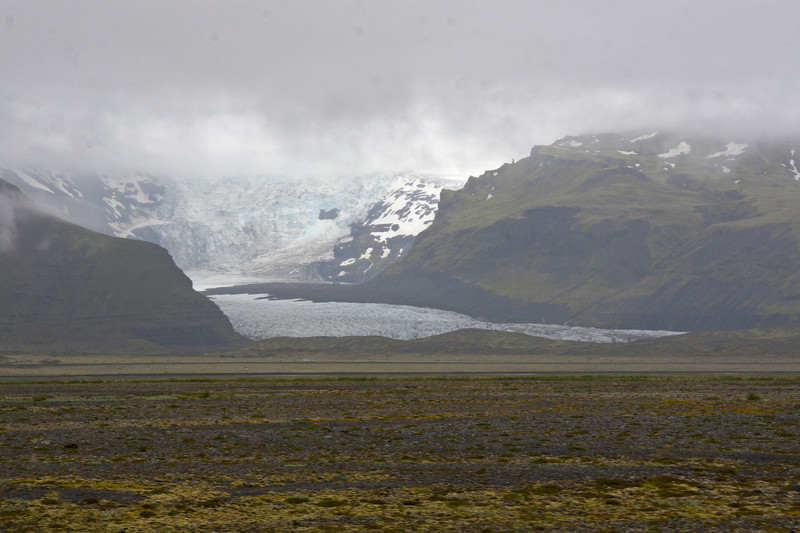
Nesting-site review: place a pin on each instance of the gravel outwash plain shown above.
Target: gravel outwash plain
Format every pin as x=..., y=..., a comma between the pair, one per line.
x=475, y=454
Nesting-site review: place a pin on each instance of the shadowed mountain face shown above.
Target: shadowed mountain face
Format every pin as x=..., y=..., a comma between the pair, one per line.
x=65, y=287
x=653, y=232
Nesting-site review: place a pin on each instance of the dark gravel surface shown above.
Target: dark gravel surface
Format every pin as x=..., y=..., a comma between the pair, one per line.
x=499, y=454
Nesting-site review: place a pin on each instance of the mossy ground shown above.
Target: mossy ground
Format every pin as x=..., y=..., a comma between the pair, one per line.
x=488, y=454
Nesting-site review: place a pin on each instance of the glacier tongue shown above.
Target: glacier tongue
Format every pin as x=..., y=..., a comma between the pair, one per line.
x=258, y=317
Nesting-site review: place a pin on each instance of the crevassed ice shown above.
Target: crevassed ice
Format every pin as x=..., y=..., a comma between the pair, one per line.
x=260, y=318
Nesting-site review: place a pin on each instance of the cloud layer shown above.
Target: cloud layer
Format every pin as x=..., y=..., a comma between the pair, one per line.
x=331, y=87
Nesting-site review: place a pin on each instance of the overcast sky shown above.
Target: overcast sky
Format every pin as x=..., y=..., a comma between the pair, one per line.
x=333, y=87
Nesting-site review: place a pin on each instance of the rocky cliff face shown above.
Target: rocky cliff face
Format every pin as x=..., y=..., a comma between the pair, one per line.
x=650, y=231
x=68, y=288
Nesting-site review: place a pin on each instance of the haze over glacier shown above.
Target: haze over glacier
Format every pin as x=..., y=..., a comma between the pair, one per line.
x=254, y=229
x=224, y=231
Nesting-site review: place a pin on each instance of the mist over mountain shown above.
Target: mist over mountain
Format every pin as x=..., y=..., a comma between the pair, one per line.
x=314, y=87
x=68, y=288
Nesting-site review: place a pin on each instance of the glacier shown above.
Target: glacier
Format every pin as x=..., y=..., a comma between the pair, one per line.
x=260, y=317
x=232, y=230
x=252, y=229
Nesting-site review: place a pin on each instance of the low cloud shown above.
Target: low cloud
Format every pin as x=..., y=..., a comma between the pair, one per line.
x=8, y=225
x=319, y=88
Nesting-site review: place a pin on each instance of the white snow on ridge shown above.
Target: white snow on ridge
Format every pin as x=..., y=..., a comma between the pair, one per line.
x=793, y=167
x=682, y=149
x=114, y=205
x=731, y=149
x=624, y=152
x=131, y=188
x=63, y=184
x=403, y=220
x=33, y=182
x=644, y=137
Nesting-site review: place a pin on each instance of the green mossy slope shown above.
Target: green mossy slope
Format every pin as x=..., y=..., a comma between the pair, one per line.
x=617, y=232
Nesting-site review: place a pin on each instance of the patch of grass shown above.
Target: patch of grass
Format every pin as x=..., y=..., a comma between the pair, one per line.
x=614, y=483
x=212, y=503
x=331, y=502
x=546, y=489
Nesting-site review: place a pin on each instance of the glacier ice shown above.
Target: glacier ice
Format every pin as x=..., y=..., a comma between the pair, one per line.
x=259, y=317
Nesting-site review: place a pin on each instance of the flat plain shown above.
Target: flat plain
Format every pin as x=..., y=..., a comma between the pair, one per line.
x=474, y=454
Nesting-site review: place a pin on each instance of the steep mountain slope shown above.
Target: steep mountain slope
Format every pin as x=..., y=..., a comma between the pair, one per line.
x=651, y=231
x=250, y=227
x=385, y=234
x=67, y=288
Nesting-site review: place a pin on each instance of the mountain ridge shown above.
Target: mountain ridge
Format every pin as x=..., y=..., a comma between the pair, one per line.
x=68, y=288
x=654, y=232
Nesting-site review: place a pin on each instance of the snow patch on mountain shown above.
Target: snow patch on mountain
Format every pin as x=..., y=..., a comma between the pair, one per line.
x=407, y=211
x=387, y=230
x=683, y=148
x=644, y=137
x=573, y=143
x=33, y=182
x=793, y=166
x=731, y=150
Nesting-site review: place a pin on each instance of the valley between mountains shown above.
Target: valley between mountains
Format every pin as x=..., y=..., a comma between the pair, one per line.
x=647, y=232
x=653, y=231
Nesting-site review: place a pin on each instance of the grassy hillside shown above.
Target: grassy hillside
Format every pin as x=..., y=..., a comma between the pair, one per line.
x=610, y=230
x=68, y=288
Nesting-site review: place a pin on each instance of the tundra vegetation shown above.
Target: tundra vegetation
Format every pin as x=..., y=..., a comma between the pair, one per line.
x=399, y=454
